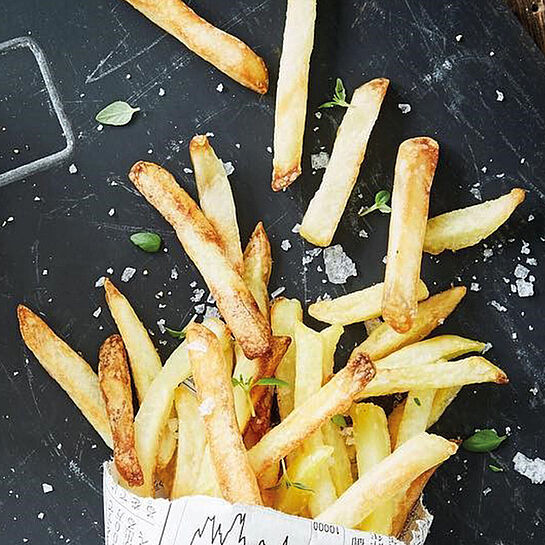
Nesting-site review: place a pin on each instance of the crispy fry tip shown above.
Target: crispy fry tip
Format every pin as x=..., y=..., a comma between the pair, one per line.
x=282, y=180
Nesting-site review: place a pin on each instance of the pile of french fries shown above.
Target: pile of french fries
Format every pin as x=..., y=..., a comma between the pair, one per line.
x=250, y=409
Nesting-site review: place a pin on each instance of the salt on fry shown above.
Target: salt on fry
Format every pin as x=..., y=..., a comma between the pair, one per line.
x=414, y=171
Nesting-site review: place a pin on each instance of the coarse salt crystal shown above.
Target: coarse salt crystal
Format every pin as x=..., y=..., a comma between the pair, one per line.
x=319, y=160
x=111, y=212
x=338, y=266
x=277, y=292
x=475, y=286
x=521, y=271
x=127, y=274
x=46, y=487
x=207, y=406
x=100, y=282
x=229, y=168
x=97, y=312
x=499, y=307
x=162, y=92
x=197, y=296
x=219, y=88
x=524, y=288
x=296, y=228
x=187, y=170
x=534, y=469
x=161, y=325
x=285, y=245
x=72, y=169
x=404, y=108
x=499, y=96
x=363, y=233
x=458, y=37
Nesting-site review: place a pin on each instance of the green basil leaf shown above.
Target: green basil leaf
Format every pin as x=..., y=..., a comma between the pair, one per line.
x=483, y=441
x=382, y=197
x=340, y=91
x=495, y=469
x=339, y=420
x=330, y=104
x=149, y=242
x=177, y=334
x=272, y=381
x=117, y=113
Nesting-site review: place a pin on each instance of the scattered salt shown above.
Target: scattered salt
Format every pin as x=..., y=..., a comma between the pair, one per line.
x=499, y=307
x=285, y=245
x=161, y=325
x=97, y=312
x=277, y=292
x=296, y=228
x=72, y=169
x=476, y=192
x=404, y=108
x=46, y=487
x=162, y=92
x=499, y=96
x=100, y=282
x=197, y=296
x=111, y=212
x=524, y=288
x=219, y=88
x=187, y=170
x=521, y=271
x=487, y=491
x=363, y=233
x=458, y=37
x=319, y=160
x=229, y=168
x=207, y=406
x=475, y=286
x=338, y=266
x=534, y=469
x=525, y=248
x=127, y=274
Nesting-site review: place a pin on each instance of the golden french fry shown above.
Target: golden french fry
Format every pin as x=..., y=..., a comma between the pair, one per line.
x=372, y=446
x=414, y=170
x=384, y=480
x=327, y=206
x=191, y=444
x=330, y=338
x=259, y=424
x=443, y=398
x=431, y=313
x=284, y=314
x=416, y=412
x=309, y=352
x=143, y=358
x=207, y=481
x=73, y=374
x=408, y=500
x=292, y=91
x=394, y=420
x=216, y=198
x=212, y=378
x=201, y=243
x=359, y=306
x=115, y=383
x=258, y=267
x=442, y=347
x=333, y=398
x=293, y=500
x=340, y=467
x=254, y=370
x=468, y=226
x=227, y=53
x=445, y=374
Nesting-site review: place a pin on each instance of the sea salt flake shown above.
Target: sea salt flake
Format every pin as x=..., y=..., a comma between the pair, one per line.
x=296, y=228
x=46, y=487
x=521, y=271
x=199, y=309
x=534, y=469
x=404, y=108
x=229, y=168
x=127, y=274
x=207, y=406
x=499, y=96
x=319, y=160
x=318, y=115
x=534, y=390
x=72, y=169
x=487, y=491
x=475, y=286
x=41, y=515
x=525, y=248
x=161, y=325
x=197, y=296
x=499, y=307
x=285, y=245
x=363, y=233
x=277, y=292
x=338, y=266
x=111, y=212
x=458, y=37
x=187, y=170
x=531, y=261
x=97, y=312
x=524, y=288
x=162, y=92
x=100, y=282
x=219, y=88
x=212, y=312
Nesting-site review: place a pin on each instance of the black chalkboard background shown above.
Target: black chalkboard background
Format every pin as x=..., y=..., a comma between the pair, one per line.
x=102, y=51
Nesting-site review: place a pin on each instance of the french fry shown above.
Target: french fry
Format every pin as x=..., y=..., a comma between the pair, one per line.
x=201, y=243
x=143, y=358
x=207, y=483
x=372, y=446
x=236, y=478
x=330, y=338
x=292, y=91
x=414, y=170
x=468, y=226
x=260, y=424
x=431, y=313
x=223, y=333
x=254, y=370
x=443, y=398
x=333, y=398
x=327, y=206
x=191, y=444
x=340, y=467
x=258, y=267
x=227, y=53
x=284, y=314
x=442, y=347
x=152, y=416
x=359, y=306
x=115, y=383
x=73, y=374
x=216, y=198
x=416, y=412
x=309, y=353
x=408, y=500
x=445, y=374
x=383, y=481
x=292, y=500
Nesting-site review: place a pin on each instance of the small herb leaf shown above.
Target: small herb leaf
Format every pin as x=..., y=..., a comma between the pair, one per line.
x=495, y=469
x=381, y=204
x=177, y=334
x=340, y=91
x=417, y=401
x=117, y=113
x=149, y=242
x=302, y=486
x=339, y=420
x=271, y=381
x=339, y=96
x=483, y=441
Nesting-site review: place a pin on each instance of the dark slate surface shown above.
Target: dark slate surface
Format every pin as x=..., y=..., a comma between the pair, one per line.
x=451, y=85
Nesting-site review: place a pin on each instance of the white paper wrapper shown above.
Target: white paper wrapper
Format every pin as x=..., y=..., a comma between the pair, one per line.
x=200, y=520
